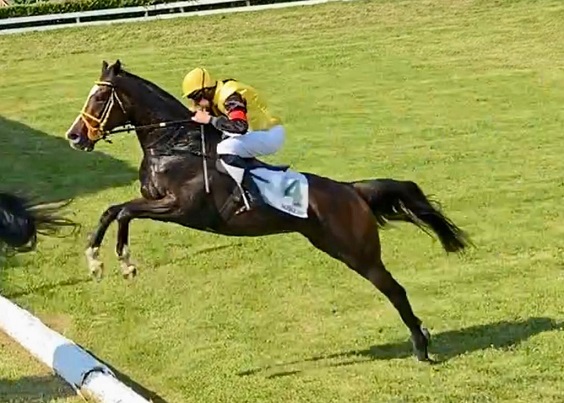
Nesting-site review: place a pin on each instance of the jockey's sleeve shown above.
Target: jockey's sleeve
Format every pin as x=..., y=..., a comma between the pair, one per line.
x=236, y=119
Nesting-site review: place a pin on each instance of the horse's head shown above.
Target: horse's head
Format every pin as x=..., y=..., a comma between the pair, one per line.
x=121, y=98
x=102, y=111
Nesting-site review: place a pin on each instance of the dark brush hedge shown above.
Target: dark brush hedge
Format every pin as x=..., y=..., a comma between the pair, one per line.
x=42, y=8
x=26, y=8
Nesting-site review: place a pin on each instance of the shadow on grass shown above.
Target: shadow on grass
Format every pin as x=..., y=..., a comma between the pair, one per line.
x=126, y=380
x=45, y=168
x=444, y=346
x=47, y=288
x=34, y=389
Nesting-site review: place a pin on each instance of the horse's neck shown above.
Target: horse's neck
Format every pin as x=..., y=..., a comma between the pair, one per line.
x=185, y=138
x=150, y=106
x=150, y=110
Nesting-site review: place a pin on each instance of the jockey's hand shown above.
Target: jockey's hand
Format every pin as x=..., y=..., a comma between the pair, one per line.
x=201, y=117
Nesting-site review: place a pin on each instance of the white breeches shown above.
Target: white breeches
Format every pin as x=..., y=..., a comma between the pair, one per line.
x=254, y=143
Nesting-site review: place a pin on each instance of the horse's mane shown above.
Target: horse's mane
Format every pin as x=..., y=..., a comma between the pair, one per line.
x=165, y=96
x=173, y=106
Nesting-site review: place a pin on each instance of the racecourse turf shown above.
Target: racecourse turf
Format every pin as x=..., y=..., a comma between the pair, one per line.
x=463, y=97
x=24, y=379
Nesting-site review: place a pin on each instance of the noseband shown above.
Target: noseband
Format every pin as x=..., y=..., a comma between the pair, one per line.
x=96, y=125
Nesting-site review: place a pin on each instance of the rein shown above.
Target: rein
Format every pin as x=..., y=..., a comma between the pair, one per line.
x=159, y=125
x=99, y=133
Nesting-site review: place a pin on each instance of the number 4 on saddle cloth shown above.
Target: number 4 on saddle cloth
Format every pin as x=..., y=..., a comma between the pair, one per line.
x=276, y=185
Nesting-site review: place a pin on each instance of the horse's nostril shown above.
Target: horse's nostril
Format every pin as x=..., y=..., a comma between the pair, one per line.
x=75, y=138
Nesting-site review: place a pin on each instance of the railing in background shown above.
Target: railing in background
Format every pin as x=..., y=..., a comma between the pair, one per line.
x=141, y=13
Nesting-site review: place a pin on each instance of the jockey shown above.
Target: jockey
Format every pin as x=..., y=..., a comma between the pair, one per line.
x=240, y=113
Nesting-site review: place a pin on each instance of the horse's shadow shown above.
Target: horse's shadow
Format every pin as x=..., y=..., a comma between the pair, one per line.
x=45, y=166
x=46, y=288
x=445, y=345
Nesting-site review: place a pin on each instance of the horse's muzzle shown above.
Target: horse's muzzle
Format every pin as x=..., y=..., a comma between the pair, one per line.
x=79, y=142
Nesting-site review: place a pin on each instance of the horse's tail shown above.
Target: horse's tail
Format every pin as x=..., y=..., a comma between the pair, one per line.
x=393, y=200
x=22, y=220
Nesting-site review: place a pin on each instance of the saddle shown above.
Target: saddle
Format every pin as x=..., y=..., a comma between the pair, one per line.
x=249, y=187
x=251, y=163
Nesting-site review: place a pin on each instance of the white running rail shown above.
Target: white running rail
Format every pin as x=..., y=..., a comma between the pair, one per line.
x=88, y=376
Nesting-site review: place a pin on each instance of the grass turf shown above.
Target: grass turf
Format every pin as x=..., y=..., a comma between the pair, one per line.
x=463, y=97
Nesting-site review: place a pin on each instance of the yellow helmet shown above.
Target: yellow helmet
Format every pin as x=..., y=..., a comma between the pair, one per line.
x=196, y=80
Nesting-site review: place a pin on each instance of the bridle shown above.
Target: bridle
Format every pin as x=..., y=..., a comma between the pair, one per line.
x=95, y=124
x=97, y=130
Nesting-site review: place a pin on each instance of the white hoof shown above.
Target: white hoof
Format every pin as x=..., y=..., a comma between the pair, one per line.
x=95, y=265
x=128, y=269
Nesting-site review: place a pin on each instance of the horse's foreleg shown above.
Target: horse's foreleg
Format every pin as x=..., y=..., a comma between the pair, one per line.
x=128, y=268
x=139, y=208
x=94, y=264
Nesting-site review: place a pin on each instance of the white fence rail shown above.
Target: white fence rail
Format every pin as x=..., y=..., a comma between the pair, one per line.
x=88, y=376
x=141, y=13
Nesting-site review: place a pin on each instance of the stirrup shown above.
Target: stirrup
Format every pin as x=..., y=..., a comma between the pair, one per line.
x=244, y=196
x=246, y=205
x=241, y=210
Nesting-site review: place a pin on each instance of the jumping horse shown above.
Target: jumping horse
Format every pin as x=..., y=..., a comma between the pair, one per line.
x=182, y=183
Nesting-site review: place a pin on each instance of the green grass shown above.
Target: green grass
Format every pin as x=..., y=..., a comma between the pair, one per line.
x=26, y=380
x=463, y=97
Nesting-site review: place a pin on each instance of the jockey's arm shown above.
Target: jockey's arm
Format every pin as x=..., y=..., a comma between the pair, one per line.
x=236, y=119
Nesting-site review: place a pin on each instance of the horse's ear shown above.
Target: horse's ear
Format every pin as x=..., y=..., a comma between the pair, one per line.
x=104, y=66
x=117, y=67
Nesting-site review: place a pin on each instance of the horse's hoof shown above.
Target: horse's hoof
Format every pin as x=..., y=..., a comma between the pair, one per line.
x=421, y=344
x=96, y=274
x=96, y=269
x=421, y=354
x=128, y=269
x=95, y=266
x=130, y=273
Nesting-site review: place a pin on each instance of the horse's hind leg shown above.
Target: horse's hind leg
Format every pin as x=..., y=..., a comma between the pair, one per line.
x=384, y=281
x=359, y=248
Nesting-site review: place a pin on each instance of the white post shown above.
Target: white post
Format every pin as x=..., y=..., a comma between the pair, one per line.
x=83, y=372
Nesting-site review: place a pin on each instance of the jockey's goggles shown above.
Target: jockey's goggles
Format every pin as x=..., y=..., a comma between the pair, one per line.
x=196, y=95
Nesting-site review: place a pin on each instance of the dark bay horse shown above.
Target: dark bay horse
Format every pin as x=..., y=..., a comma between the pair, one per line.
x=343, y=217
x=22, y=220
